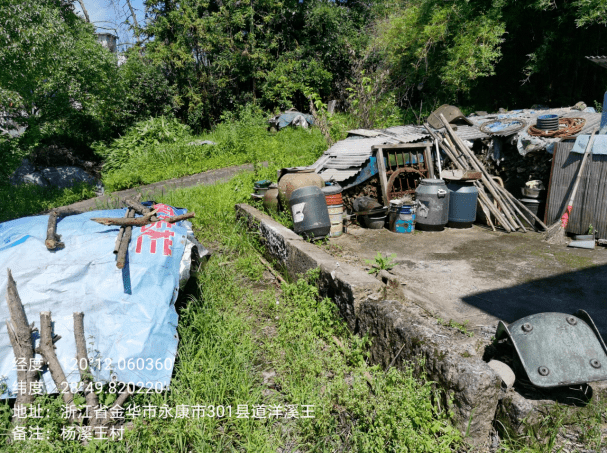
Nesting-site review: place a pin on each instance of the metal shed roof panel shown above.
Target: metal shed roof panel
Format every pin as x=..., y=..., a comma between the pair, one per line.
x=364, y=132
x=338, y=175
x=407, y=134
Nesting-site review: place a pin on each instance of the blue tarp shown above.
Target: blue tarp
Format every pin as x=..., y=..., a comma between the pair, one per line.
x=287, y=118
x=599, y=144
x=130, y=320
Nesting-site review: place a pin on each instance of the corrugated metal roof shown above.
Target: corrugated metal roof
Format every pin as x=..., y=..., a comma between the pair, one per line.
x=407, y=134
x=338, y=175
x=346, y=158
x=364, y=132
x=404, y=134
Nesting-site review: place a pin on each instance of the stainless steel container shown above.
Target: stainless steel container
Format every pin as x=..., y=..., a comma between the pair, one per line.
x=433, y=205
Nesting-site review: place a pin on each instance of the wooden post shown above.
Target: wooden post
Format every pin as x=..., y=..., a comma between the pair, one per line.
x=429, y=162
x=382, y=175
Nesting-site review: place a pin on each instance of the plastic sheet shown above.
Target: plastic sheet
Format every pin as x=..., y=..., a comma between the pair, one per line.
x=130, y=320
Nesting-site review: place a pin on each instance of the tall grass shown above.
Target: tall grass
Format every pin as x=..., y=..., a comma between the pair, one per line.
x=25, y=200
x=238, y=140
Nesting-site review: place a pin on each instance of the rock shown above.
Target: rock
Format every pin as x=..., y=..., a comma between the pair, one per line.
x=26, y=173
x=267, y=376
x=66, y=176
x=198, y=143
x=61, y=177
x=504, y=372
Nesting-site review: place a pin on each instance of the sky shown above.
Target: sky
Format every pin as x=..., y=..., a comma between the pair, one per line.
x=109, y=15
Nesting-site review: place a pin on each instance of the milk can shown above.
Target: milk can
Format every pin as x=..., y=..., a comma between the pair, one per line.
x=433, y=204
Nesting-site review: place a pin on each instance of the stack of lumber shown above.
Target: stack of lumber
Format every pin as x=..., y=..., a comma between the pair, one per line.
x=494, y=200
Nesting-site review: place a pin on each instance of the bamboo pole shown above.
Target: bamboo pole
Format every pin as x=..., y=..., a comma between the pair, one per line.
x=486, y=179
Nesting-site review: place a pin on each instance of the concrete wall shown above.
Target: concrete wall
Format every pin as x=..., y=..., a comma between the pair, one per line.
x=401, y=331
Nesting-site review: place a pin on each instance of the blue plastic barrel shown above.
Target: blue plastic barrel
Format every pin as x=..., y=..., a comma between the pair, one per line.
x=463, y=205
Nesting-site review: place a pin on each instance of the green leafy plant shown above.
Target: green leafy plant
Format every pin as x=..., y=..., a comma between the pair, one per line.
x=591, y=230
x=381, y=263
x=140, y=138
x=462, y=327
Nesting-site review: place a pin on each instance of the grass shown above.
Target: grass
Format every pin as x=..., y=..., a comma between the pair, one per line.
x=461, y=327
x=26, y=200
x=236, y=328
x=559, y=428
x=237, y=142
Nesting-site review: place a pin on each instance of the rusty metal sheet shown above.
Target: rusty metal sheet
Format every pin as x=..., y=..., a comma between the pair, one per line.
x=557, y=349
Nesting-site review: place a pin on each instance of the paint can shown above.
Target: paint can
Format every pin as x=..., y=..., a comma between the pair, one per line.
x=335, y=208
x=406, y=221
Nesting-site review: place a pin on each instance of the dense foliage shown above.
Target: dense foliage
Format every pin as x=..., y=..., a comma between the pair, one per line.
x=374, y=55
x=54, y=76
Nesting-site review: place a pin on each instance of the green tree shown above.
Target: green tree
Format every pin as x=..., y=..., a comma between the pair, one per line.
x=54, y=76
x=225, y=53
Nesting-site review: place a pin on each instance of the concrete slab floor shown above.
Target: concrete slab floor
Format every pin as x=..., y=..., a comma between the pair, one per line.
x=481, y=276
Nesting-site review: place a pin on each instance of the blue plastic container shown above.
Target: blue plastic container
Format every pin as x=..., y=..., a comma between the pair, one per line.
x=406, y=221
x=463, y=205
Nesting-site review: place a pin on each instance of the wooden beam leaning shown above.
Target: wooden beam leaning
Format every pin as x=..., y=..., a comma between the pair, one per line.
x=485, y=202
x=522, y=206
x=489, y=204
x=486, y=177
x=382, y=175
x=125, y=239
x=487, y=181
x=429, y=161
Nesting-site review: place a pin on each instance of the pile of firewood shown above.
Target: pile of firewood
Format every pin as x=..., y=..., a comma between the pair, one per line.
x=53, y=240
x=20, y=335
x=496, y=202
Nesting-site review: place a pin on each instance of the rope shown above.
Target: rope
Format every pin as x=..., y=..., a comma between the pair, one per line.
x=567, y=127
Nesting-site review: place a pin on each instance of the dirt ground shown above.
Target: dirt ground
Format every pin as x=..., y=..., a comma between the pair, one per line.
x=481, y=276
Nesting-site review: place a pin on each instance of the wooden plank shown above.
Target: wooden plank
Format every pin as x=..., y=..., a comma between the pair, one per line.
x=429, y=162
x=549, y=189
x=382, y=175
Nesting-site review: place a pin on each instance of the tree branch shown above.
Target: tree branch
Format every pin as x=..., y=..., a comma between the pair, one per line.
x=84, y=10
x=139, y=222
x=20, y=336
